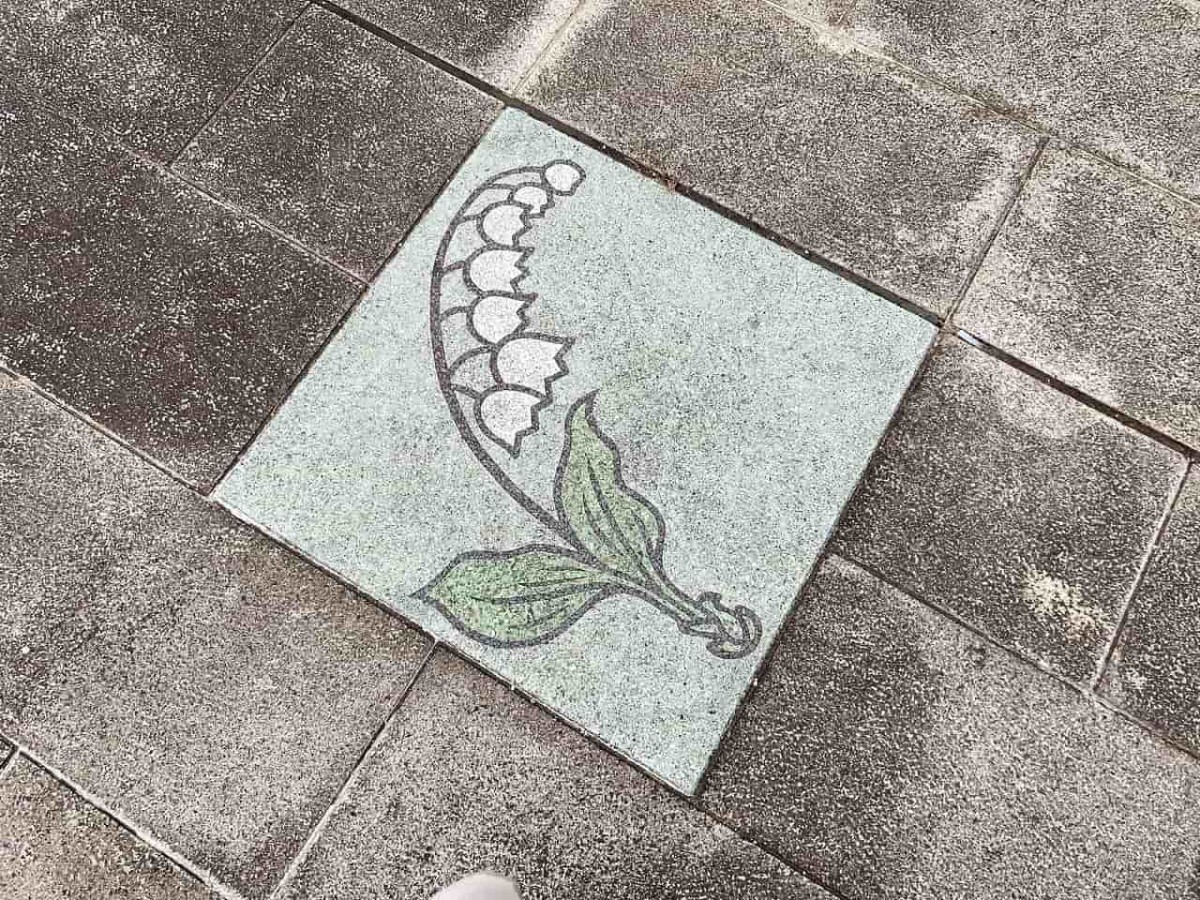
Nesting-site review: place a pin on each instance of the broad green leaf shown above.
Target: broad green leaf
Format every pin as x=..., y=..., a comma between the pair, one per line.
x=608, y=518
x=517, y=598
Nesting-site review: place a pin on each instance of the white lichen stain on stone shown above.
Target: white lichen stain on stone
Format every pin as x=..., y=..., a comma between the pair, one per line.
x=1062, y=605
x=1134, y=679
x=578, y=27
x=56, y=11
x=1034, y=409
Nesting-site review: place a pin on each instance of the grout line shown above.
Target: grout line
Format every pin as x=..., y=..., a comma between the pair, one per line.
x=843, y=33
x=630, y=162
x=771, y=849
x=318, y=829
x=977, y=265
x=242, y=82
x=1084, y=689
x=10, y=762
x=8, y=368
x=1111, y=412
x=199, y=873
x=265, y=224
x=171, y=174
x=1144, y=569
x=552, y=46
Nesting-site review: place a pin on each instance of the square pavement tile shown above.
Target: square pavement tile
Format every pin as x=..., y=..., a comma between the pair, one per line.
x=838, y=152
x=139, y=301
x=1120, y=77
x=339, y=139
x=898, y=756
x=605, y=481
x=495, y=40
x=148, y=71
x=55, y=846
x=468, y=777
x=1155, y=670
x=1014, y=506
x=193, y=676
x=1094, y=280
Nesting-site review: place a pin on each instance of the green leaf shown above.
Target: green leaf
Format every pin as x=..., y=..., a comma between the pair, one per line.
x=517, y=598
x=608, y=518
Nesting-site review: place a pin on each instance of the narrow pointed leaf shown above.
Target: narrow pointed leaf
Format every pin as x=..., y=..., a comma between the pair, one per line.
x=517, y=598
x=607, y=517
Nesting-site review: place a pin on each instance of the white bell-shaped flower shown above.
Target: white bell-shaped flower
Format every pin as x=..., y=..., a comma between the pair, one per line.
x=531, y=362
x=536, y=199
x=496, y=316
x=497, y=271
x=563, y=177
x=507, y=415
x=504, y=223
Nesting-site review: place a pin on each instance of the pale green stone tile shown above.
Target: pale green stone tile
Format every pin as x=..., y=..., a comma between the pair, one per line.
x=743, y=387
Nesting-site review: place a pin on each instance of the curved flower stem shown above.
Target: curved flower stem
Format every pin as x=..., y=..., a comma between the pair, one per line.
x=732, y=632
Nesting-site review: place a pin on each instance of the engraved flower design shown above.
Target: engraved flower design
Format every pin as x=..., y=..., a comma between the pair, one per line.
x=504, y=369
x=493, y=368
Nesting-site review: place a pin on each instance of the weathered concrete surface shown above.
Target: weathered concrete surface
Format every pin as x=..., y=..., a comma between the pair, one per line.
x=469, y=776
x=1021, y=510
x=139, y=301
x=900, y=182
x=1155, y=671
x=496, y=40
x=339, y=139
x=198, y=679
x=1094, y=280
x=55, y=846
x=897, y=755
x=147, y=71
x=1120, y=77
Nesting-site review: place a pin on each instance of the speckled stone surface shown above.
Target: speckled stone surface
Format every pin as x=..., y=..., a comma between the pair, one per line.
x=468, y=776
x=1118, y=76
x=147, y=71
x=823, y=12
x=1021, y=510
x=197, y=679
x=1094, y=280
x=340, y=139
x=742, y=388
x=5, y=750
x=140, y=302
x=897, y=755
x=55, y=846
x=496, y=40
x=900, y=182
x=1155, y=671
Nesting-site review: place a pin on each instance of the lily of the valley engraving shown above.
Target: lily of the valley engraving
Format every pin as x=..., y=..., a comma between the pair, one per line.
x=497, y=373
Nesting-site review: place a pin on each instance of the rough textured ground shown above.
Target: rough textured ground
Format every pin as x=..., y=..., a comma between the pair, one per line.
x=614, y=424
